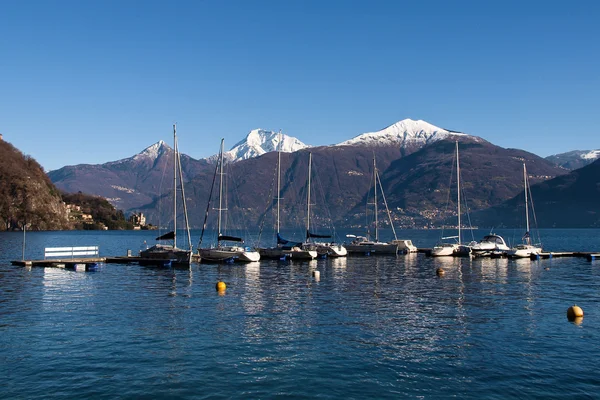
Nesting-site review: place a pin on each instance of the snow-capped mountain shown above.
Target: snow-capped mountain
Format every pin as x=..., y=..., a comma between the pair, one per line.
x=591, y=155
x=150, y=153
x=259, y=142
x=405, y=133
x=574, y=159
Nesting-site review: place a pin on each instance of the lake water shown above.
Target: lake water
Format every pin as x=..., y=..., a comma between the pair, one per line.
x=371, y=327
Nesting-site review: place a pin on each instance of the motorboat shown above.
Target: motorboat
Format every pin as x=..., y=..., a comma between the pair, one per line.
x=490, y=245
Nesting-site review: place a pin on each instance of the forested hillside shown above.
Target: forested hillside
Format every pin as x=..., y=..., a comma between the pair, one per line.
x=27, y=196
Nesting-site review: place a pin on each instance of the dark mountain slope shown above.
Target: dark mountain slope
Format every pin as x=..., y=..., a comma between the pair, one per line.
x=128, y=183
x=566, y=201
x=26, y=193
x=417, y=185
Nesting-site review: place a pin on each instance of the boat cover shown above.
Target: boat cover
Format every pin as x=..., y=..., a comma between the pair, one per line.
x=314, y=235
x=230, y=238
x=287, y=243
x=167, y=236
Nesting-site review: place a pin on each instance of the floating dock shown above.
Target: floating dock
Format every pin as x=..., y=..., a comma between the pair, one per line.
x=86, y=264
x=577, y=254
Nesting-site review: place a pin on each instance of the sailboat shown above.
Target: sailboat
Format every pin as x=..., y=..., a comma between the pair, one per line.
x=455, y=248
x=330, y=249
x=284, y=248
x=525, y=249
x=228, y=248
x=362, y=244
x=168, y=254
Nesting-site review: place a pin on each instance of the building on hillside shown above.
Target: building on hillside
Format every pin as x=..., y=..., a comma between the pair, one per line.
x=138, y=220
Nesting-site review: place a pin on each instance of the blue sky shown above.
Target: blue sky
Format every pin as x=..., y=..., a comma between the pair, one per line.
x=97, y=81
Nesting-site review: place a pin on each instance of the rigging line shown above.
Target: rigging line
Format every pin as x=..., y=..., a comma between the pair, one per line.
x=269, y=205
x=444, y=218
x=185, y=213
x=372, y=184
x=321, y=192
x=533, y=209
x=462, y=191
x=212, y=186
x=160, y=198
x=237, y=205
x=386, y=206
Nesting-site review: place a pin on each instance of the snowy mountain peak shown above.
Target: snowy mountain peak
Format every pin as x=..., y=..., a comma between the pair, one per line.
x=154, y=151
x=403, y=133
x=149, y=153
x=259, y=142
x=591, y=155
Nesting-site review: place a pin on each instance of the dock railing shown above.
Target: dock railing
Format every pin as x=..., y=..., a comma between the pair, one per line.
x=71, y=252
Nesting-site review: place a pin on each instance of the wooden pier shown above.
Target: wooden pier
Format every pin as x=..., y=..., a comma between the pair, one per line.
x=86, y=264
x=577, y=254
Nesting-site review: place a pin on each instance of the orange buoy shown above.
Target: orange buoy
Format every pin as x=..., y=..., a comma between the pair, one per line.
x=574, y=312
x=440, y=272
x=221, y=286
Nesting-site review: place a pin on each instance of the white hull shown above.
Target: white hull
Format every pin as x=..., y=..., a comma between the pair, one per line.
x=331, y=250
x=405, y=246
x=489, y=246
x=446, y=250
x=229, y=254
x=451, y=250
x=524, y=251
x=372, y=248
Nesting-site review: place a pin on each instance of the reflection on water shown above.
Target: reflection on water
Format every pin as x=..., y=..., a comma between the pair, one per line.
x=373, y=327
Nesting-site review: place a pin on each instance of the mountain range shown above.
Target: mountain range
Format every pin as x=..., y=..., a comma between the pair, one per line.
x=574, y=159
x=414, y=159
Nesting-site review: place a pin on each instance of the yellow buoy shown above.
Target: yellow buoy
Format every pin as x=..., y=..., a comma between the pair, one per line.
x=221, y=286
x=574, y=312
x=440, y=272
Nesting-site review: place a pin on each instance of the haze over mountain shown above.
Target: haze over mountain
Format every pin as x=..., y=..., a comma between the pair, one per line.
x=567, y=201
x=574, y=159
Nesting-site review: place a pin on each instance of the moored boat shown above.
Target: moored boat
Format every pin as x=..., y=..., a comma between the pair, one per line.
x=363, y=245
x=228, y=248
x=490, y=245
x=284, y=249
x=525, y=249
x=456, y=248
x=360, y=245
x=168, y=254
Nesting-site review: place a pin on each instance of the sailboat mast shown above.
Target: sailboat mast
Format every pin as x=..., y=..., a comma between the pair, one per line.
x=526, y=202
x=183, y=202
x=220, y=188
x=458, y=191
x=278, y=178
x=174, y=185
x=375, y=198
x=308, y=195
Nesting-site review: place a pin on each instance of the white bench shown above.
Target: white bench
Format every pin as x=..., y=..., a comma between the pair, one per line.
x=71, y=252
